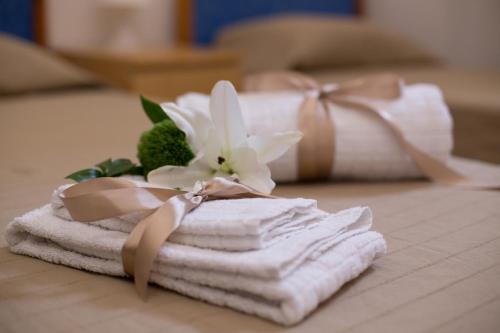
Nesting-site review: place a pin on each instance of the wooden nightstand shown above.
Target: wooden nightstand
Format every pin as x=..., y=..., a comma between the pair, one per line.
x=163, y=73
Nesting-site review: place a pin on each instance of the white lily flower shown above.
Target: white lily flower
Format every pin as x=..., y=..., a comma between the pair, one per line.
x=222, y=146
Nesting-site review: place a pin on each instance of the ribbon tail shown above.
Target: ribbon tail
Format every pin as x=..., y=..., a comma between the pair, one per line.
x=129, y=248
x=434, y=169
x=153, y=231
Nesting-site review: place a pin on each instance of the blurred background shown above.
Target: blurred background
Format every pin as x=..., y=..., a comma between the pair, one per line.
x=461, y=32
x=163, y=48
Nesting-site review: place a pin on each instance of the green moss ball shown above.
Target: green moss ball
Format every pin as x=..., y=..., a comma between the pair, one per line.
x=164, y=144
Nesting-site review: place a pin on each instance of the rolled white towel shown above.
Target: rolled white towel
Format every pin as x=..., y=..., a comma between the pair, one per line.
x=364, y=147
x=283, y=282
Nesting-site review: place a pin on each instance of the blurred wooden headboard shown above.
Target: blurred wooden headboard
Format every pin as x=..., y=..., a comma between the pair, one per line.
x=39, y=23
x=198, y=20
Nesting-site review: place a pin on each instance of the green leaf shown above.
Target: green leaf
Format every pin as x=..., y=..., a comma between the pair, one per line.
x=104, y=166
x=153, y=110
x=85, y=174
x=108, y=168
x=119, y=166
x=137, y=170
x=113, y=168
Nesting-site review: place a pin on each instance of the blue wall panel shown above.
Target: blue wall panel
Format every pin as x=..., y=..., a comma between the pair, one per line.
x=210, y=15
x=16, y=17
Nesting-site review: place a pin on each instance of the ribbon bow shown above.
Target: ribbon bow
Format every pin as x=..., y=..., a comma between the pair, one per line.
x=102, y=198
x=319, y=132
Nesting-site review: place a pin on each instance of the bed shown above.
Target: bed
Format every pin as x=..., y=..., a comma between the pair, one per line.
x=440, y=273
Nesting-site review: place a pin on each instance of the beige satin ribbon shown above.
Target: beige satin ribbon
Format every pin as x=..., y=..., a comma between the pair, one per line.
x=103, y=198
x=319, y=135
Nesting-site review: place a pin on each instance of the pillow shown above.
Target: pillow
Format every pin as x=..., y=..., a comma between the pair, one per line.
x=26, y=67
x=316, y=41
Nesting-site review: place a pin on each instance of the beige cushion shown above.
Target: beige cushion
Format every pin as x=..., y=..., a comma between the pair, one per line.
x=307, y=41
x=26, y=67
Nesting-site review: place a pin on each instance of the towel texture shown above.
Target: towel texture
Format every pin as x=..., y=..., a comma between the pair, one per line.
x=364, y=147
x=282, y=281
x=245, y=224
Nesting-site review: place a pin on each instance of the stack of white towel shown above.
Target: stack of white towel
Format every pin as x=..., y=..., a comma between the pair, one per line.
x=364, y=147
x=274, y=258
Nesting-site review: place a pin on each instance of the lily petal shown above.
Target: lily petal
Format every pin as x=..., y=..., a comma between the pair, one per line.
x=183, y=178
x=250, y=172
x=212, y=149
x=272, y=146
x=194, y=123
x=193, y=100
x=226, y=116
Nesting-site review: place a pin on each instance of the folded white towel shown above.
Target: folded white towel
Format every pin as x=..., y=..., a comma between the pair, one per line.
x=282, y=282
x=364, y=147
x=245, y=224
